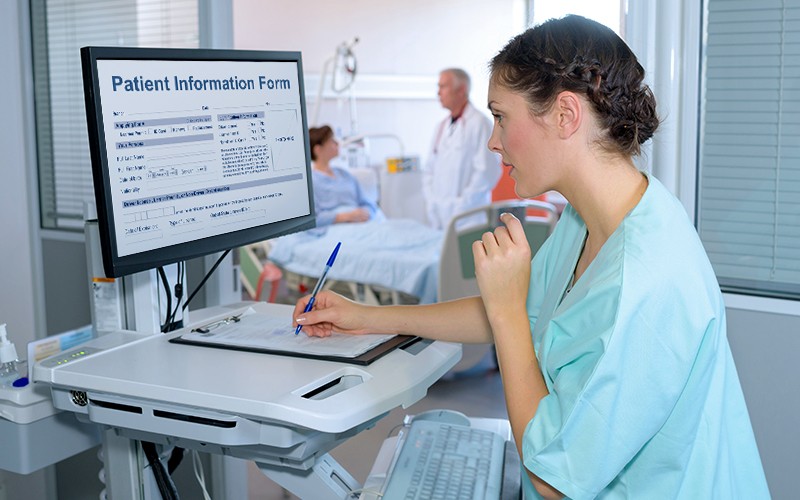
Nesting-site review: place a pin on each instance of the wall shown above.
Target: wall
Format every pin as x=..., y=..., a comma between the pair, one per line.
x=21, y=301
x=66, y=281
x=402, y=47
x=765, y=347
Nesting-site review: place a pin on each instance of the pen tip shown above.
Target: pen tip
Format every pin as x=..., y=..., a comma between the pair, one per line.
x=333, y=255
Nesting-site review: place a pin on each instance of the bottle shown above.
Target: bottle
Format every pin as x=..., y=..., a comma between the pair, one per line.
x=8, y=360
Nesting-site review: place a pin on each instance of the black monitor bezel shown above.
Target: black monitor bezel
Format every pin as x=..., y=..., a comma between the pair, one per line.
x=115, y=265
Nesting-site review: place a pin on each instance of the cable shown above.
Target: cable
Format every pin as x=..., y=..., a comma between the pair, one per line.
x=175, y=459
x=167, y=291
x=178, y=291
x=197, y=466
x=398, y=426
x=163, y=480
x=368, y=491
x=205, y=278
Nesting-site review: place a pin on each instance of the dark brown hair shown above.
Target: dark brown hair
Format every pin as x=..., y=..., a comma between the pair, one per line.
x=582, y=56
x=318, y=136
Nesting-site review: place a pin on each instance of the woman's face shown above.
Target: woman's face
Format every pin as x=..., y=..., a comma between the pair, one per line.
x=328, y=150
x=525, y=142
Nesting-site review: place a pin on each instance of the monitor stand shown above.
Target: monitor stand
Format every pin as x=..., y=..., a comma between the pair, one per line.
x=138, y=303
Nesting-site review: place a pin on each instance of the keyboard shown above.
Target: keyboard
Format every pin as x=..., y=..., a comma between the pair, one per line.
x=441, y=460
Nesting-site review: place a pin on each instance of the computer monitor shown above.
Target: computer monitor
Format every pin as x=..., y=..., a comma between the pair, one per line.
x=194, y=151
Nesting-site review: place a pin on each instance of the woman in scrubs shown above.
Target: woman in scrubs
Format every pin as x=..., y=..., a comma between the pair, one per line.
x=611, y=343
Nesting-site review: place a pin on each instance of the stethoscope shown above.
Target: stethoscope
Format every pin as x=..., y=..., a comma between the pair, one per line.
x=450, y=128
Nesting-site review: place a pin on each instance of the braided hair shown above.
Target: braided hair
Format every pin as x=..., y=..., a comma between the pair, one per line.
x=582, y=56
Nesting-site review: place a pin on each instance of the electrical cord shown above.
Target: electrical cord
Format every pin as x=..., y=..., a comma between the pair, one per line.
x=197, y=466
x=396, y=427
x=360, y=491
x=163, y=276
x=175, y=459
x=170, y=323
x=163, y=480
x=178, y=292
x=205, y=278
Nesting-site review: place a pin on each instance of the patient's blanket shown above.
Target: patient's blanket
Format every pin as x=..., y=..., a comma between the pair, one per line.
x=399, y=254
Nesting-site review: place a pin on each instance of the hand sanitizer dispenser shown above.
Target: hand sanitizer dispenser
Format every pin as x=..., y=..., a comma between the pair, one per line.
x=8, y=359
x=33, y=433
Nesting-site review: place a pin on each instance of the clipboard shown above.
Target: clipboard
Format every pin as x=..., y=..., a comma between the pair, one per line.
x=268, y=334
x=396, y=342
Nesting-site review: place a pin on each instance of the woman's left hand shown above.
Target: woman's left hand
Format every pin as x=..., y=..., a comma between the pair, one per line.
x=503, y=268
x=354, y=215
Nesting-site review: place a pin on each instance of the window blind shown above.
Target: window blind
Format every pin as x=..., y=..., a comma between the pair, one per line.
x=60, y=28
x=748, y=198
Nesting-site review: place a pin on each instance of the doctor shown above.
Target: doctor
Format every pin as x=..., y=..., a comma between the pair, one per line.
x=460, y=172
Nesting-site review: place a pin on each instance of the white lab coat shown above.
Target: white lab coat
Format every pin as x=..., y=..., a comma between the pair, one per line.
x=460, y=172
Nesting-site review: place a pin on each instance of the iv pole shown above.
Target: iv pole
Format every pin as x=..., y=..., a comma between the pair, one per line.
x=345, y=68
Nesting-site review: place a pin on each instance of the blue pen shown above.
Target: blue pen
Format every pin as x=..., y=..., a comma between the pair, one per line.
x=319, y=284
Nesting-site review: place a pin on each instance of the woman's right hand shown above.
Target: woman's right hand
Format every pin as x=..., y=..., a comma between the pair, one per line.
x=331, y=312
x=503, y=268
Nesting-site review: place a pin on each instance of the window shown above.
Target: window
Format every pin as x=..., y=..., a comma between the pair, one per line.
x=748, y=197
x=60, y=28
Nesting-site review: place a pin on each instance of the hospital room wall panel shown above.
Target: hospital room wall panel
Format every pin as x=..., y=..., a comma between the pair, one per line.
x=402, y=47
x=765, y=346
x=412, y=36
x=404, y=119
x=19, y=299
x=21, y=294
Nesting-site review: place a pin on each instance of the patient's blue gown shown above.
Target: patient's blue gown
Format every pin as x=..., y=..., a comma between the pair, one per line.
x=342, y=192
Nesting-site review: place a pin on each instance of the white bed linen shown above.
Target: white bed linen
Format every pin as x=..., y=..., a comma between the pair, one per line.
x=399, y=254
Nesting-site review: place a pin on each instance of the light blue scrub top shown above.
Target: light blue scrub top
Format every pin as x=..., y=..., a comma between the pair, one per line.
x=340, y=193
x=644, y=397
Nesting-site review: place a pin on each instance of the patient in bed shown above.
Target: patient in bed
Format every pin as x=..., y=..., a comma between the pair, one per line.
x=338, y=197
x=379, y=254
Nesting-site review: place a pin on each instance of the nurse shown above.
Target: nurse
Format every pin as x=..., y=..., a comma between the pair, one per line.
x=612, y=346
x=460, y=172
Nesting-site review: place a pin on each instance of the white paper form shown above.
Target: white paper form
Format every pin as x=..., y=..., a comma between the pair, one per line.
x=261, y=331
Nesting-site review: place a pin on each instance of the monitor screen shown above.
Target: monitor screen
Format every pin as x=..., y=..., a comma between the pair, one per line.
x=194, y=151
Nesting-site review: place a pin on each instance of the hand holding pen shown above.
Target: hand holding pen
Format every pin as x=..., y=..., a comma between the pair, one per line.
x=320, y=283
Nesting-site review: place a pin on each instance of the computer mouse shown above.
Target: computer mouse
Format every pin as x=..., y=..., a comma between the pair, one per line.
x=448, y=416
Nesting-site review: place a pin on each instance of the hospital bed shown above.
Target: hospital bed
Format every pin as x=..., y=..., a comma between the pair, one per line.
x=391, y=261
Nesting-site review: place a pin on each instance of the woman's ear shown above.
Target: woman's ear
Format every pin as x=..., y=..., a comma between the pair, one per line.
x=569, y=110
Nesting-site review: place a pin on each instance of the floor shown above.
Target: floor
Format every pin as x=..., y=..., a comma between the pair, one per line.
x=477, y=395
